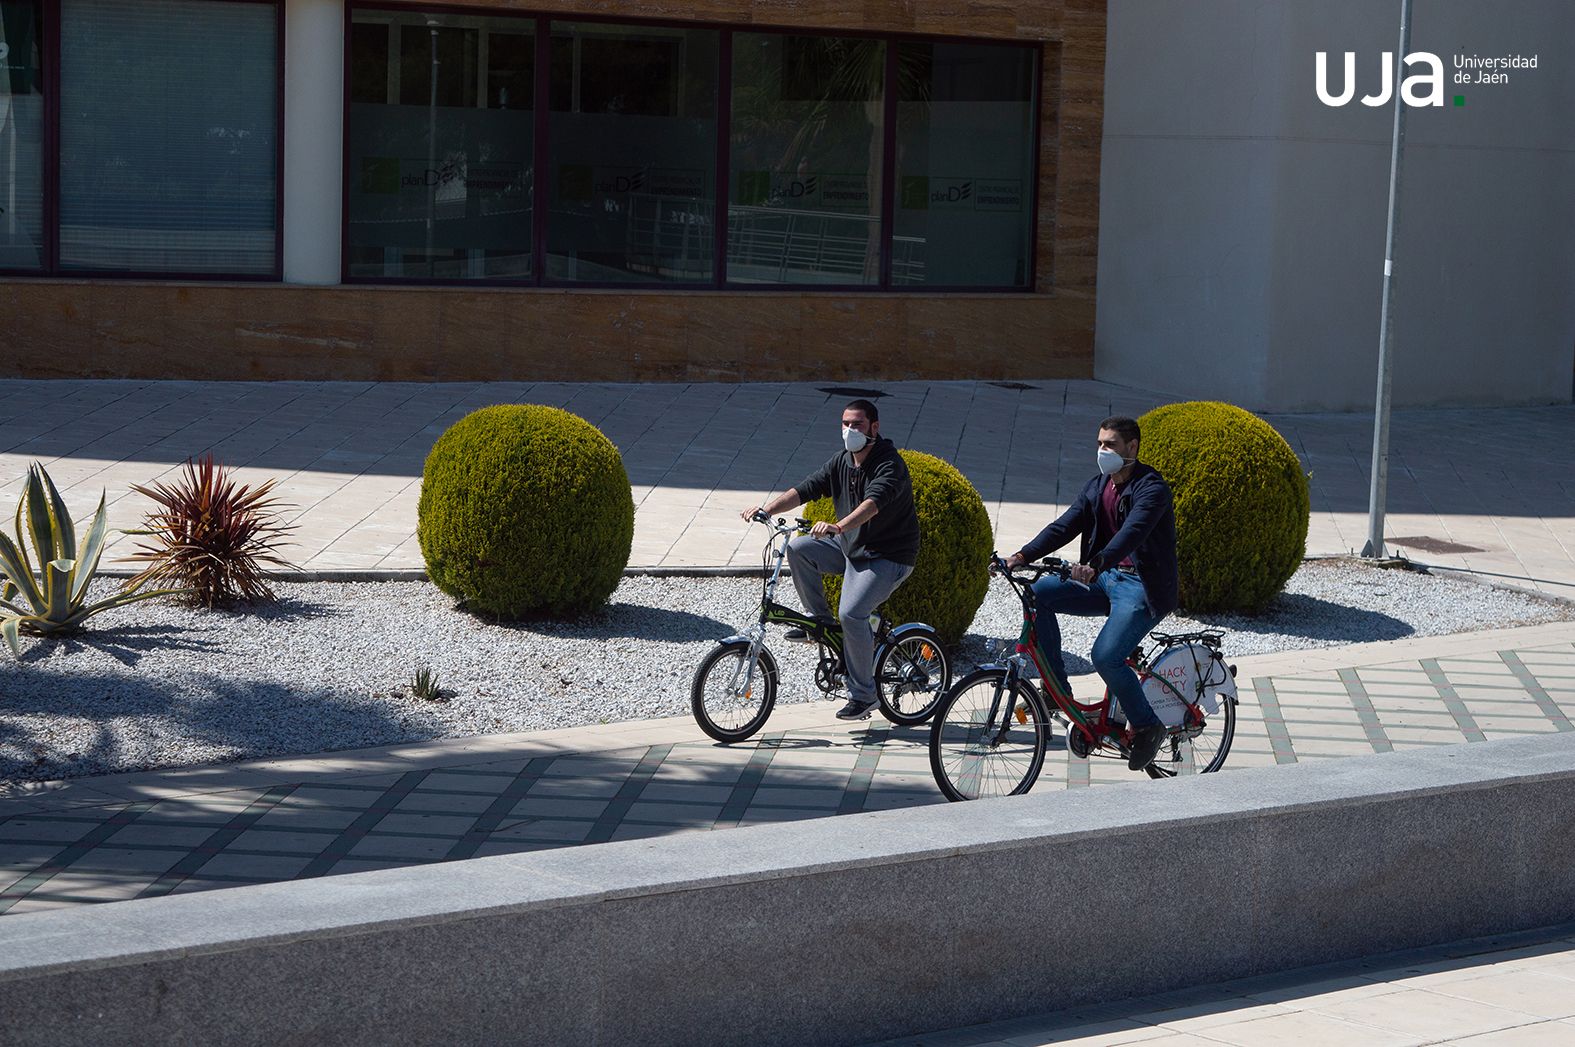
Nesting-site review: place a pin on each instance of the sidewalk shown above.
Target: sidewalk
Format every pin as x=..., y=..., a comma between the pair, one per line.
x=1486, y=489
x=1513, y=991
x=139, y=835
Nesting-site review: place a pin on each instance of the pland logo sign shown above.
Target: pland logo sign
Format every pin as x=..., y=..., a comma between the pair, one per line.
x=1423, y=82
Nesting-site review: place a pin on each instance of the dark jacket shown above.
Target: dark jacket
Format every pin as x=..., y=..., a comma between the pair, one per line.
x=1145, y=531
x=893, y=534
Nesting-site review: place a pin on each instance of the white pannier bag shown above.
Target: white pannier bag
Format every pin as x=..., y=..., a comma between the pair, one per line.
x=1189, y=669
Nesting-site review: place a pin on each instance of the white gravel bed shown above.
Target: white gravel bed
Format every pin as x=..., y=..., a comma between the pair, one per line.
x=158, y=685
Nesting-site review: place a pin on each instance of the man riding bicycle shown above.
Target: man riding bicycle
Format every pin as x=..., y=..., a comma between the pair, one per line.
x=1127, y=570
x=873, y=544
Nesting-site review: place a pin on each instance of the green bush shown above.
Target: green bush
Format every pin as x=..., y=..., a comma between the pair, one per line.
x=1241, y=502
x=525, y=510
x=949, y=581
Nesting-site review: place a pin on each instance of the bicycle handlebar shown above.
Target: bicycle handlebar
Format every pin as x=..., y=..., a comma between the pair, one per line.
x=1049, y=565
x=780, y=524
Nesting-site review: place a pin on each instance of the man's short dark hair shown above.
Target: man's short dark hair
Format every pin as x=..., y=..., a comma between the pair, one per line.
x=870, y=410
x=1122, y=426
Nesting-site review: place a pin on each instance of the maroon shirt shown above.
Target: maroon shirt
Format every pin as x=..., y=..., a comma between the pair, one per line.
x=1107, y=513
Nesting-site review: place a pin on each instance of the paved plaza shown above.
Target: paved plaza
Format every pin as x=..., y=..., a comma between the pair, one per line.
x=1514, y=991
x=1488, y=491
x=1492, y=490
x=130, y=836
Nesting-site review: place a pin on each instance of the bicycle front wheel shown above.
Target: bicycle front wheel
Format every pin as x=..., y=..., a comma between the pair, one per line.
x=911, y=675
x=974, y=754
x=1201, y=749
x=730, y=704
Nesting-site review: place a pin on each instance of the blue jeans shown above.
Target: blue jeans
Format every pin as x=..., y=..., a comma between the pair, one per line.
x=1114, y=593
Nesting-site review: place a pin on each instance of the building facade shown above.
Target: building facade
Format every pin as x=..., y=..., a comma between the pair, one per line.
x=512, y=189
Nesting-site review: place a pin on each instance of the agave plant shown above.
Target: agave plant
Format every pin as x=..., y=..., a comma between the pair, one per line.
x=211, y=536
x=54, y=599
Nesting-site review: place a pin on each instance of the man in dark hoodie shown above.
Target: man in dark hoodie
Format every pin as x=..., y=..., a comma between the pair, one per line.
x=1126, y=569
x=873, y=544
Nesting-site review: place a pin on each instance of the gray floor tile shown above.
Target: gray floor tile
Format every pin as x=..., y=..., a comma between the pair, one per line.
x=446, y=803
x=260, y=867
x=377, y=846
x=553, y=807
x=443, y=824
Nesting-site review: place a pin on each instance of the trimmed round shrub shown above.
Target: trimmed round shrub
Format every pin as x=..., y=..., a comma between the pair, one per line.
x=525, y=510
x=949, y=581
x=1241, y=502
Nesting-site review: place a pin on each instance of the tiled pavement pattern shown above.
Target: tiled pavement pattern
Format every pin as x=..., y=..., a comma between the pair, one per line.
x=1516, y=990
x=1488, y=489
x=126, y=836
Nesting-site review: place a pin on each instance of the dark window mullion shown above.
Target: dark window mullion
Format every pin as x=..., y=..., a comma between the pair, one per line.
x=724, y=154
x=49, y=52
x=888, y=165
x=542, y=115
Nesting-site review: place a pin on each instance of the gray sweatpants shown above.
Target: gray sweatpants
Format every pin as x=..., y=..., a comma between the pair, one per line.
x=865, y=586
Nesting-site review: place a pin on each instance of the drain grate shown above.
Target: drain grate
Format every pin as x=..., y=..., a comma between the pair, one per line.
x=856, y=394
x=1425, y=544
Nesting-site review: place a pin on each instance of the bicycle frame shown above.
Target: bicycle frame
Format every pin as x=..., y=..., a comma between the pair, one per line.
x=828, y=637
x=1093, y=720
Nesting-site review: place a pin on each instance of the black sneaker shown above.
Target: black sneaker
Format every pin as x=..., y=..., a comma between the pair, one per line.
x=857, y=710
x=1145, y=746
x=796, y=636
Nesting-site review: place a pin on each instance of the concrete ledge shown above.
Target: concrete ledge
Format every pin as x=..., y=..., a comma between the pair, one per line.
x=941, y=916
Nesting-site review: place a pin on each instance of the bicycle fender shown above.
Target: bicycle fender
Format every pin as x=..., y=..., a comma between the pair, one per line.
x=735, y=638
x=910, y=628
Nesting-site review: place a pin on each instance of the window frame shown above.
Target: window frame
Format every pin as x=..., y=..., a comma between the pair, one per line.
x=51, y=24
x=542, y=113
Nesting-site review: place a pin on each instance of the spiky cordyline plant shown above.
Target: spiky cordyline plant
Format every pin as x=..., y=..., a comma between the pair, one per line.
x=54, y=600
x=210, y=536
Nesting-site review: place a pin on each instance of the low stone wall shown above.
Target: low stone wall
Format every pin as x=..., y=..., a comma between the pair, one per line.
x=834, y=931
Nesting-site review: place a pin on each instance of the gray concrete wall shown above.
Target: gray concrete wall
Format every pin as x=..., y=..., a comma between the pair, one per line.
x=840, y=930
x=1242, y=221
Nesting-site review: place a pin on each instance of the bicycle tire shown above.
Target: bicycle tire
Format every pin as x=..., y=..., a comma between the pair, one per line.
x=912, y=675
x=727, y=717
x=1216, y=752
x=959, y=749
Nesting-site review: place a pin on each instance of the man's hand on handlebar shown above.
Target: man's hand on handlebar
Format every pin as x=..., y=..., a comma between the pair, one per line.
x=1083, y=573
x=1015, y=561
x=823, y=529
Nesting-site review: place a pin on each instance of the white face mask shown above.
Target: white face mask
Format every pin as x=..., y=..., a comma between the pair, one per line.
x=1110, y=462
x=853, y=440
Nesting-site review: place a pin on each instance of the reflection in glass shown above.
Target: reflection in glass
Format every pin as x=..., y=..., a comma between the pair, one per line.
x=168, y=136
x=965, y=165
x=633, y=136
x=804, y=204
x=440, y=129
x=21, y=136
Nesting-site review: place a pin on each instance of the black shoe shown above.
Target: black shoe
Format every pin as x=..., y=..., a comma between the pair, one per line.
x=856, y=710
x=1145, y=746
x=796, y=636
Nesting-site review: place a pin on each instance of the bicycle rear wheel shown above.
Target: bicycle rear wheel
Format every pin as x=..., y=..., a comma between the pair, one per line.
x=911, y=675
x=727, y=705
x=1208, y=742
x=973, y=755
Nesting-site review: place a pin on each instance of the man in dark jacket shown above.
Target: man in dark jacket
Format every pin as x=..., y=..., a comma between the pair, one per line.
x=1126, y=569
x=873, y=544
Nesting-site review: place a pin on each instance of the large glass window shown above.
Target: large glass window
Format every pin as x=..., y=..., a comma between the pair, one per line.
x=168, y=136
x=633, y=144
x=440, y=145
x=21, y=135
x=805, y=162
x=965, y=164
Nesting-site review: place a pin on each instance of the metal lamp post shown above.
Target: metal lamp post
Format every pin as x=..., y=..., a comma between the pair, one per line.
x=1386, y=335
